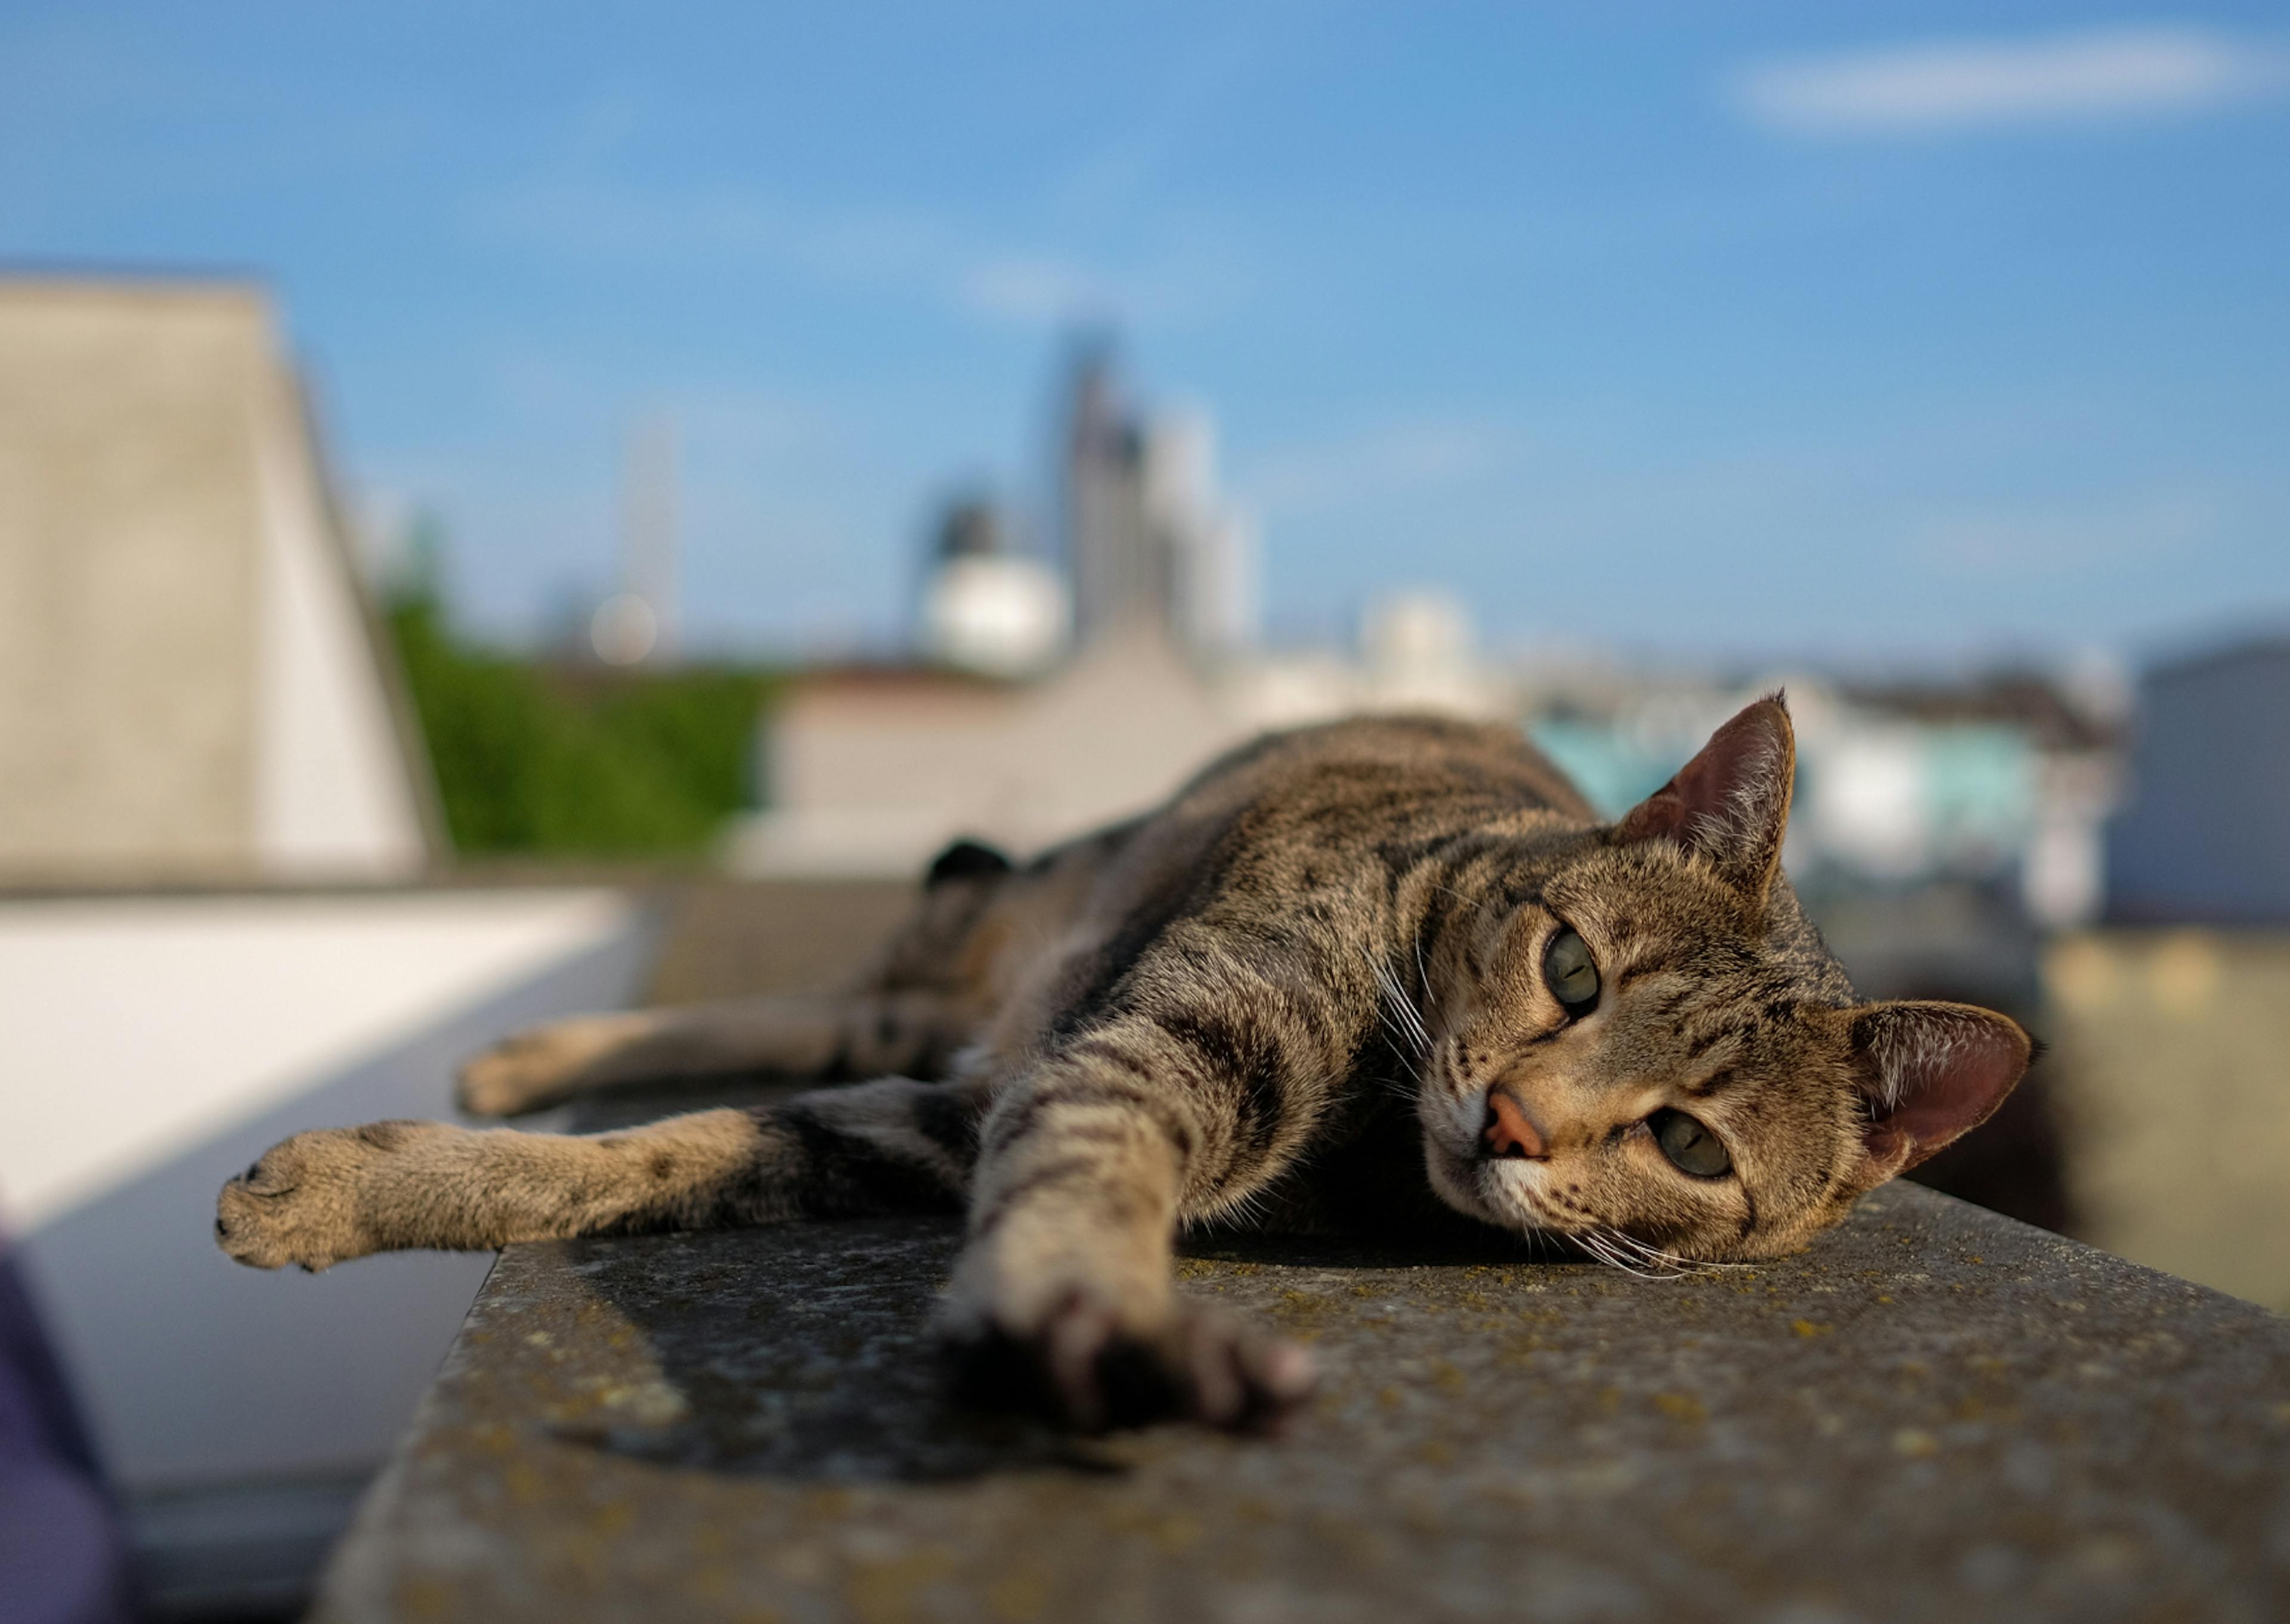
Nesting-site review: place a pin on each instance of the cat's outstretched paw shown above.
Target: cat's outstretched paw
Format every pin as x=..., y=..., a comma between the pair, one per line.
x=1082, y=1367
x=302, y=1201
x=539, y=1065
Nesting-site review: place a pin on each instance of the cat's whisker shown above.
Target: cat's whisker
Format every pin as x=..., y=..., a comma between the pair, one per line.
x=1652, y=1254
x=1611, y=1246
x=1670, y=1259
x=1549, y=1243
x=1390, y=1022
x=1406, y=1009
x=1588, y=1240
x=1395, y=1006
x=1405, y=1044
x=1398, y=1020
x=1601, y=1252
x=1397, y=996
x=1629, y=1242
x=1423, y=979
x=1684, y=1265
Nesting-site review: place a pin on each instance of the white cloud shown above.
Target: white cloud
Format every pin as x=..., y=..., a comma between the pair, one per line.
x=1948, y=84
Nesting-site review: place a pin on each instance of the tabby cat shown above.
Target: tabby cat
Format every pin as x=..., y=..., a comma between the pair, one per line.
x=1373, y=973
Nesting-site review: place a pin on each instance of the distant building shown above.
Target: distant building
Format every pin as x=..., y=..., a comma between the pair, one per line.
x=872, y=770
x=2205, y=835
x=985, y=606
x=191, y=688
x=1150, y=543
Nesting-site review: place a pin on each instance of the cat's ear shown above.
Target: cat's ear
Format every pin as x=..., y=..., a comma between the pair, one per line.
x=1731, y=803
x=1931, y=1073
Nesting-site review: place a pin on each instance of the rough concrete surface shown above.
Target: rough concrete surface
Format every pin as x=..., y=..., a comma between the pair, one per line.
x=1936, y=1413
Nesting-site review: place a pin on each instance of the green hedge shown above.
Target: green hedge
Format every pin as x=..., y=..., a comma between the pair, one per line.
x=542, y=759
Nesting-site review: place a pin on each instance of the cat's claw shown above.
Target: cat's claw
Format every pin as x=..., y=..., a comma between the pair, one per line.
x=1083, y=1368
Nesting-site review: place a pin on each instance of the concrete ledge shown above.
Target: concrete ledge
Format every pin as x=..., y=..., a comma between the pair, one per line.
x=1935, y=1414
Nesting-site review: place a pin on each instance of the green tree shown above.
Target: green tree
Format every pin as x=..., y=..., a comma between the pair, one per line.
x=542, y=759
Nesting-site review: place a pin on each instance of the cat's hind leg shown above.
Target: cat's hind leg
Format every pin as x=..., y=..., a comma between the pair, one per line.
x=319, y=1198
x=857, y=1035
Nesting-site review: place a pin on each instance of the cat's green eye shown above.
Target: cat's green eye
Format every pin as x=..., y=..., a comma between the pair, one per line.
x=1571, y=974
x=1691, y=1147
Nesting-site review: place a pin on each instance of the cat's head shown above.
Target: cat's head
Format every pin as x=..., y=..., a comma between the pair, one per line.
x=1655, y=1053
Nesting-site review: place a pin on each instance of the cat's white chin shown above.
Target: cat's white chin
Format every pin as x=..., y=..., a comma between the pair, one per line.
x=1498, y=1192
x=1478, y=1187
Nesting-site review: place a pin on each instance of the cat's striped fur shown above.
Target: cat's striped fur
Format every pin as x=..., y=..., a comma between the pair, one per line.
x=1316, y=987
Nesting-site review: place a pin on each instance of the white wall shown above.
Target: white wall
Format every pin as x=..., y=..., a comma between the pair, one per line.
x=155, y=1046
x=334, y=797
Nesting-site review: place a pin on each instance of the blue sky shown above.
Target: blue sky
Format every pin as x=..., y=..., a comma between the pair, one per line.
x=1867, y=333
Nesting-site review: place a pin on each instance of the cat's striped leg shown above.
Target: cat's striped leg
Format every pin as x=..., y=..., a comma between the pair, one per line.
x=1064, y=1301
x=321, y=1197
x=857, y=1035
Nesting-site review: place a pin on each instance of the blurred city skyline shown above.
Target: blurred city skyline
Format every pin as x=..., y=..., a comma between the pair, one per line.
x=1922, y=333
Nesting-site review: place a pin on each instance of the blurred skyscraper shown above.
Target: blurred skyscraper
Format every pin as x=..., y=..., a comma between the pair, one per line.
x=1151, y=544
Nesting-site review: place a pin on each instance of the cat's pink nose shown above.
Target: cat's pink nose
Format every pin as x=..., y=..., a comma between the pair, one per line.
x=1510, y=1131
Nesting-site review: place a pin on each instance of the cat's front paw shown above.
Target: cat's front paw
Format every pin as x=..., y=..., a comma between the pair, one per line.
x=302, y=1201
x=1082, y=1366
x=536, y=1066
